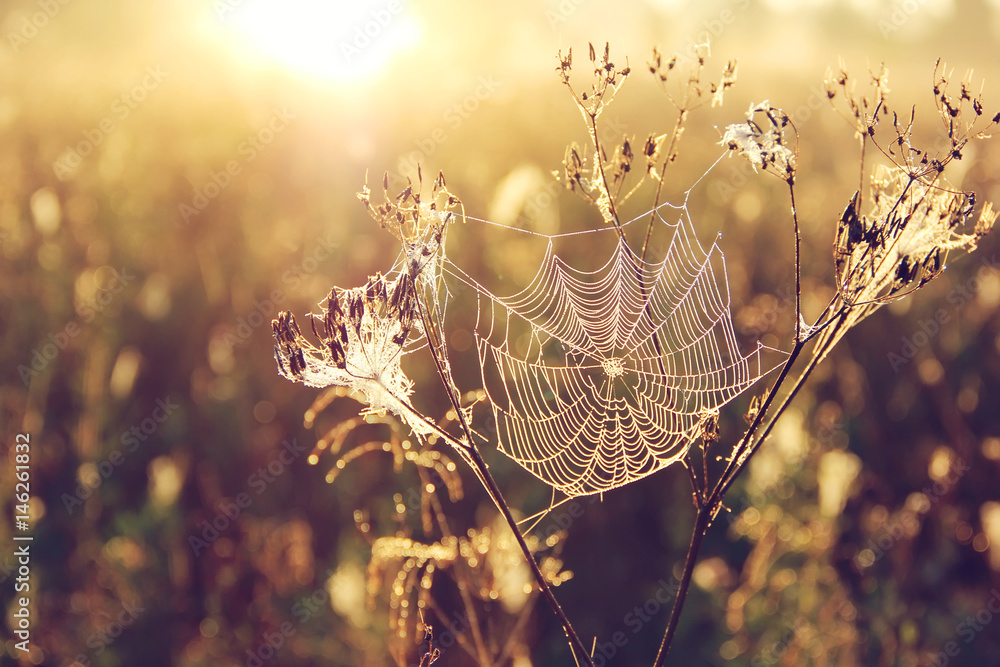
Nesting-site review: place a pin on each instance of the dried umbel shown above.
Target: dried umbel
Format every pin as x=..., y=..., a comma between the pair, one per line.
x=761, y=139
x=649, y=318
x=897, y=237
x=598, y=175
x=899, y=245
x=364, y=332
x=419, y=224
x=903, y=241
x=600, y=181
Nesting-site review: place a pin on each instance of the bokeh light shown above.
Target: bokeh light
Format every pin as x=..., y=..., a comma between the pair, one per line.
x=174, y=174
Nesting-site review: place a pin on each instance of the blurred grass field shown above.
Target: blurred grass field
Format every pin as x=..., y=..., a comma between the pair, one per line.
x=172, y=174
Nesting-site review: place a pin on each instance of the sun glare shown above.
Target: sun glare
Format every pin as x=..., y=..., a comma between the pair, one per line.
x=334, y=41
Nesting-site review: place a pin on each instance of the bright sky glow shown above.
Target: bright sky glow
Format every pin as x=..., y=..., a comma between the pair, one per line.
x=333, y=41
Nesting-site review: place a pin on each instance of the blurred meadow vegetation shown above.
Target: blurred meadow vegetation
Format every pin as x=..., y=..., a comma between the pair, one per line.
x=172, y=174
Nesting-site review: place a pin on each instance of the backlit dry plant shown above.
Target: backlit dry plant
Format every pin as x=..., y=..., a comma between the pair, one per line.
x=899, y=239
x=486, y=574
x=893, y=238
x=364, y=334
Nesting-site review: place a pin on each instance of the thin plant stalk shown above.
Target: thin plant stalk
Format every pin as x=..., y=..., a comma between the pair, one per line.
x=472, y=456
x=709, y=507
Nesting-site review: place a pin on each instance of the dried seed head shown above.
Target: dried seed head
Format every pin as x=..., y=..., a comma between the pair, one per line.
x=761, y=139
x=364, y=356
x=904, y=237
x=727, y=82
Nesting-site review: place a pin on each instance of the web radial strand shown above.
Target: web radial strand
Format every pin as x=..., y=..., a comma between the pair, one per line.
x=599, y=378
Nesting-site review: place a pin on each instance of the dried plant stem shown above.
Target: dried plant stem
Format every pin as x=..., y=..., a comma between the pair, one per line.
x=482, y=654
x=671, y=150
x=482, y=471
x=798, y=263
x=471, y=454
x=708, y=510
x=741, y=451
x=799, y=383
x=599, y=161
x=701, y=525
x=869, y=245
x=675, y=137
x=745, y=449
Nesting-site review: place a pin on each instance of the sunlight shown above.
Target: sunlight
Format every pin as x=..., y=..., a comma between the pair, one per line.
x=333, y=41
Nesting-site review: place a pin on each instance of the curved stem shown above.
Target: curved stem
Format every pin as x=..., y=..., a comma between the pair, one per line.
x=798, y=264
x=475, y=460
x=701, y=524
x=725, y=484
x=739, y=458
x=708, y=510
x=671, y=150
x=599, y=161
x=482, y=470
x=749, y=444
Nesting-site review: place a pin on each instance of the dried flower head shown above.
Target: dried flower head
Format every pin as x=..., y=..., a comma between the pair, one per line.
x=903, y=241
x=364, y=332
x=419, y=224
x=762, y=141
x=598, y=175
x=608, y=80
x=912, y=220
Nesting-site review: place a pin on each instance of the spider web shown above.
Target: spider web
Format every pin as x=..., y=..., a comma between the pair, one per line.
x=600, y=377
